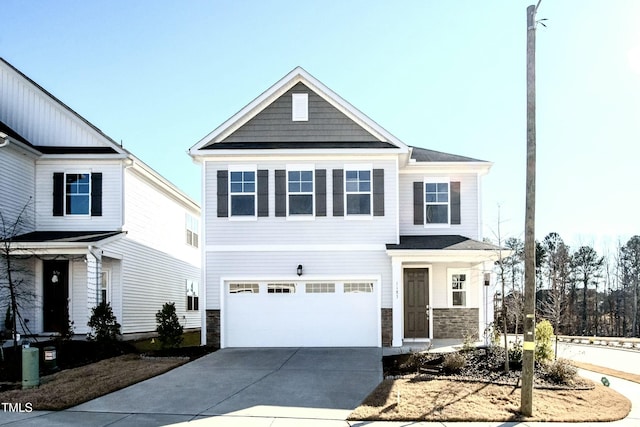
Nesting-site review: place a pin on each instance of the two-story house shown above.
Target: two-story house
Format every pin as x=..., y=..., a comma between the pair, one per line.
x=322, y=229
x=97, y=224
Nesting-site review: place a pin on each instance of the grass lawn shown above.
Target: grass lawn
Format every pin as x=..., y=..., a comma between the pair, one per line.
x=71, y=387
x=445, y=400
x=190, y=339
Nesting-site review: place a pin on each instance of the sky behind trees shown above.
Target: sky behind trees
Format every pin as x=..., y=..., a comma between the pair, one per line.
x=449, y=76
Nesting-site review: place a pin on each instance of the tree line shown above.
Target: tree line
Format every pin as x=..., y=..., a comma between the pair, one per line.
x=580, y=291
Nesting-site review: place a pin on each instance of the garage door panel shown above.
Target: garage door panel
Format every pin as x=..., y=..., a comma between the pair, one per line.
x=302, y=319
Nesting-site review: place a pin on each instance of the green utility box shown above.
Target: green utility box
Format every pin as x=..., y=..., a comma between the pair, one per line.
x=30, y=367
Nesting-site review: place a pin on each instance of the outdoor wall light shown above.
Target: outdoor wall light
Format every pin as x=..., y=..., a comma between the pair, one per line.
x=487, y=279
x=299, y=270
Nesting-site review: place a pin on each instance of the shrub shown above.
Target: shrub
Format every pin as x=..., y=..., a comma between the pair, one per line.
x=469, y=339
x=169, y=328
x=104, y=325
x=515, y=352
x=544, y=349
x=561, y=371
x=454, y=362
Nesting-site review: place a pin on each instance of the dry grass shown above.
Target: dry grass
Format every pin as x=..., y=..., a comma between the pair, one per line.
x=74, y=386
x=606, y=371
x=444, y=400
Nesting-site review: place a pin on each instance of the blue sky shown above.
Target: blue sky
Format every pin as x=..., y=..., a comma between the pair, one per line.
x=445, y=75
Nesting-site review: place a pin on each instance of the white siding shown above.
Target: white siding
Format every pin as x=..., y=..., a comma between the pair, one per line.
x=440, y=286
x=79, y=309
x=17, y=188
x=282, y=265
x=25, y=279
x=39, y=118
x=154, y=219
x=319, y=230
x=111, y=218
x=149, y=279
x=469, y=211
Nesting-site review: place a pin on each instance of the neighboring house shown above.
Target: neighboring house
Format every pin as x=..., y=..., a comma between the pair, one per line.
x=100, y=225
x=322, y=229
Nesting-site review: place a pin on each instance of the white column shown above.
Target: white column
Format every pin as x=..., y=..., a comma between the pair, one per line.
x=398, y=306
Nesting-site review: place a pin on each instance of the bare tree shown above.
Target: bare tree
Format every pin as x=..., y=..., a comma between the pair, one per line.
x=12, y=274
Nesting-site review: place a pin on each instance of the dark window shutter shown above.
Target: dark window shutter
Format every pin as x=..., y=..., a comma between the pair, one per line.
x=418, y=203
x=338, y=192
x=455, y=202
x=281, y=192
x=263, y=192
x=223, y=194
x=96, y=194
x=321, y=192
x=58, y=194
x=378, y=192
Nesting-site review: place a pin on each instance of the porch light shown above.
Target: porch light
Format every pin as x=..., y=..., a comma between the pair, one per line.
x=299, y=270
x=487, y=279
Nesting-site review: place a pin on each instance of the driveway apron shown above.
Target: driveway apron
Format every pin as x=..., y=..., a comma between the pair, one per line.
x=312, y=383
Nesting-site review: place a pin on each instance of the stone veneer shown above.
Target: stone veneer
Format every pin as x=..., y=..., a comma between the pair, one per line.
x=454, y=322
x=213, y=328
x=387, y=326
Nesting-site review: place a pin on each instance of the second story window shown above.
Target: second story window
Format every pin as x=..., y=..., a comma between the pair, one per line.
x=192, y=226
x=300, y=190
x=436, y=202
x=358, y=192
x=242, y=185
x=78, y=193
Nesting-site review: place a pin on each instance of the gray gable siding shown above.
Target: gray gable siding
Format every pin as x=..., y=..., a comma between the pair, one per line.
x=326, y=123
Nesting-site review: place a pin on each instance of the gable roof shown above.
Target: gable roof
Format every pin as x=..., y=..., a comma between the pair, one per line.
x=293, y=78
x=441, y=242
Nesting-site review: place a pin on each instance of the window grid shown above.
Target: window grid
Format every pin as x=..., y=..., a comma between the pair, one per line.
x=244, y=288
x=192, y=226
x=281, y=288
x=436, y=202
x=358, y=192
x=358, y=287
x=320, y=288
x=78, y=193
x=300, y=188
x=459, y=290
x=242, y=190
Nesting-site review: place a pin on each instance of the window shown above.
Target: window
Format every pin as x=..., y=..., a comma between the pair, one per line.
x=244, y=288
x=458, y=281
x=243, y=193
x=300, y=190
x=300, y=107
x=105, y=286
x=320, y=288
x=358, y=288
x=358, y=192
x=436, y=202
x=281, y=288
x=78, y=193
x=192, y=295
x=192, y=227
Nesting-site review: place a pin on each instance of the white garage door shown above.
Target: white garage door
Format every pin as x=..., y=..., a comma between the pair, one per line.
x=301, y=314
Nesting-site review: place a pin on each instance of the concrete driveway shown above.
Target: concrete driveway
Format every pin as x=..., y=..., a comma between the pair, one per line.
x=236, y=386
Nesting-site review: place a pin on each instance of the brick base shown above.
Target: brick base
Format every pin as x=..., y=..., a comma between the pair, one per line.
x=387, y=326
x=213, y=328
x=455, y=322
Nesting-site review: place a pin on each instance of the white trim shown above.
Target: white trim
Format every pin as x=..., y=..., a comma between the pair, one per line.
x=306, y=167
x=88, y=172
x=296, y=248
x=294, y=77
x=430, y=286
x=436, y=180
x=107, y=272
x=357, y=167
x=467, y=284
x=243, y=169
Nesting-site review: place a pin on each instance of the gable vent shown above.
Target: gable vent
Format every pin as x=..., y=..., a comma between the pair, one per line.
x=300, y=107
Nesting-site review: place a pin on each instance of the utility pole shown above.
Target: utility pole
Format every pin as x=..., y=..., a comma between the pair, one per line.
x=529, y=345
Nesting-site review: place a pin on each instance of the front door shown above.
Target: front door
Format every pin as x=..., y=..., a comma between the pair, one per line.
x=55, y=294
x=416, y=303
